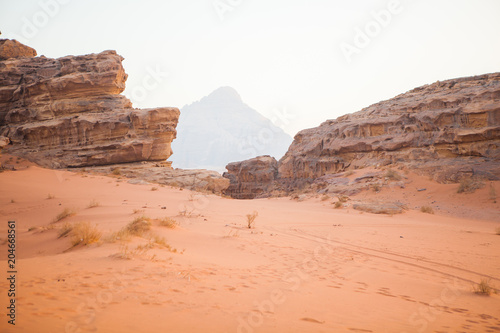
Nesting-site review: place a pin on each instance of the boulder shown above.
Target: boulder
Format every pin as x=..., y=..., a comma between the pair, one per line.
x=11, y=48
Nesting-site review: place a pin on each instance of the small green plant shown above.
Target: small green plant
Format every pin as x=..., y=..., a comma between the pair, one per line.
x=154, y=188
x=393, y=175
x=67, y=212
x=469, y=185
x=168, y=222
x=93, y=204
x=50, y=196
x=427, y=210
x=251, y=219
x=139, y=226
x=484, y=288
x=84, y=233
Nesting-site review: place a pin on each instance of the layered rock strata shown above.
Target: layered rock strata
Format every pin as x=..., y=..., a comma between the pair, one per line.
x=68, y=112
x=448, y=130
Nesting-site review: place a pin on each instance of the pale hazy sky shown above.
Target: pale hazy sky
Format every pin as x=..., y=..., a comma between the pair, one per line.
x=297, y=62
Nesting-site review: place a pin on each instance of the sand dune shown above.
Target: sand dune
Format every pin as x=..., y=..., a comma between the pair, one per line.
x=304, y=267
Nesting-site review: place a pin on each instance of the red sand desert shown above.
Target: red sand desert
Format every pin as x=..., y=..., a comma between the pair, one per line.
x=303, y=267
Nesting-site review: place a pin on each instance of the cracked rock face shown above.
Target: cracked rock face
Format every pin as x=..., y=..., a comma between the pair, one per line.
x=68, y=112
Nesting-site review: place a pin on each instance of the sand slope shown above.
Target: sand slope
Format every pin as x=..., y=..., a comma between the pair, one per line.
x=305, y=267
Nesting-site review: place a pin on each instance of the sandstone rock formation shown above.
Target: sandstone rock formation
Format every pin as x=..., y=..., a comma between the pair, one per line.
x=11, y=48
x=447, y=130
x=253, y=178
x=68, y=112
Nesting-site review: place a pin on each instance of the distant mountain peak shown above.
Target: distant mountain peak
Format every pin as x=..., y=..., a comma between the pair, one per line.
x=225, y=93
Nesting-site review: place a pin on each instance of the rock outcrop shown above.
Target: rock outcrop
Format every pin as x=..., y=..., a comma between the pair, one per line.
x=68, y=112
x=253, y=178
x=11, y=48
x=448, y=130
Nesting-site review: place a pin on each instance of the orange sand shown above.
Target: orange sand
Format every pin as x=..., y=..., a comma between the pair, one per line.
x=305, y=267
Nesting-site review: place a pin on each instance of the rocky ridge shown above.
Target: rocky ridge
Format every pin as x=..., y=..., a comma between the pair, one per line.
x=447, y=130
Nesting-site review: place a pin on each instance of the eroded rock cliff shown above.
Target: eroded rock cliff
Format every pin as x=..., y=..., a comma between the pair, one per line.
x=68, y=112
x=447, y=130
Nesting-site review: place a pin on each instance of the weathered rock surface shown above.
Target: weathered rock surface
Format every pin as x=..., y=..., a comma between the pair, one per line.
x=433, y=128
x=11, y=48
x=253, y=178
x=68, y=112
x=448, y=130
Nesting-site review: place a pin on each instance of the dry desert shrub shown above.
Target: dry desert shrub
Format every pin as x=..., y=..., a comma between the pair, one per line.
x=393, y=175
x=84, y=233
x=470, y=185
x=154, y=188
x=251, y=219
x=139, y=226
x=67, y=212
x=168, y=222
x=484, y=288
x=137, y=211
x=93, y=204
x=325, y=197
x=50, y=196
x=427, y=210
x=337, y=205
x=65, y=230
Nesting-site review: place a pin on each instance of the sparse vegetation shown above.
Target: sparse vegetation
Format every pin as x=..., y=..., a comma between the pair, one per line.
x=427, y=209
x=338, y=204
x=84, y=233
x=93, y=204
x=168, y=222
x=325, y=197
x=470, y=185
x=393, y=175
x=116, y=171
x=50, y=196
x=376, y=188
x=67, y=212
x=154, y=188
x=251, y=219
x=65, y=230
x=139, y=226
x=484, y=288
x=137, y=211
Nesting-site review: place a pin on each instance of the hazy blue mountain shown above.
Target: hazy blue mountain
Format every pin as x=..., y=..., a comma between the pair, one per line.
x=220, y=128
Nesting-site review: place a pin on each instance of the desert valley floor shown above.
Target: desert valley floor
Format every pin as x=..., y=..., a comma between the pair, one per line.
x=303, y=267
